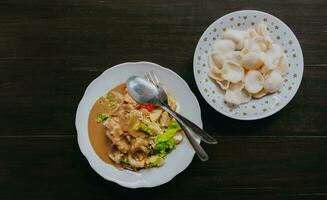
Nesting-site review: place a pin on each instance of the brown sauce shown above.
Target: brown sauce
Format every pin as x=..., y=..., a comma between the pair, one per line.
x=99, y=141
x=118, y=137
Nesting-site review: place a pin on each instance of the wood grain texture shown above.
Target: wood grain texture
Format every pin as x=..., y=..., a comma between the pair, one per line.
x=52, y=49
x=240, y=167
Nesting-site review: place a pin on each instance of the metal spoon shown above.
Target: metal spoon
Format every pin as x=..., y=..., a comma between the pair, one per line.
x=163, y=97
x=144, y=92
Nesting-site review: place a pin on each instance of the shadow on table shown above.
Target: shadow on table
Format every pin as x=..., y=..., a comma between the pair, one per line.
x=219, y=125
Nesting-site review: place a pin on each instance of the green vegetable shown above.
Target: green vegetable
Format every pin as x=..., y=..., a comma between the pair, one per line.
x=174, y=125
x=143, y=127
x=155, y=160
x=101, y=117
x=112, y=105
x=165, y=142
x=149, y=127
x=109, y=96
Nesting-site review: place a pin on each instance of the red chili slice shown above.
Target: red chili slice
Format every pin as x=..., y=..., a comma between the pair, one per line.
x=149, y=107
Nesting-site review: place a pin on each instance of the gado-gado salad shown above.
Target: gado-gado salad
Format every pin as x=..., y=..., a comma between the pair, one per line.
x=130, y=135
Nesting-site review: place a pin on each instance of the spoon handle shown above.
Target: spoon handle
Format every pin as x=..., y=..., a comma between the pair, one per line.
x=203, y=135
x=197, y=148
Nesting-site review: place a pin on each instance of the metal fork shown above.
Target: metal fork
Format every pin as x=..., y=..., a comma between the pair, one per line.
x=153, y=78
x=197, y=148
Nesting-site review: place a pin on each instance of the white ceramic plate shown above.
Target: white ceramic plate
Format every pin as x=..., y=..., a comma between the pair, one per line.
x=176, y=161
x=256, y=108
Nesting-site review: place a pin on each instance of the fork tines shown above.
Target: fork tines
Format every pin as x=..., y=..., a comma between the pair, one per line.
x=153, y=78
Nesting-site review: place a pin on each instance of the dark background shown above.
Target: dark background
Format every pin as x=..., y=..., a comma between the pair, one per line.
x=50, y=50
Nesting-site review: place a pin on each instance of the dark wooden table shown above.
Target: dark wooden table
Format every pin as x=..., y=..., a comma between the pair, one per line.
x=50, y=50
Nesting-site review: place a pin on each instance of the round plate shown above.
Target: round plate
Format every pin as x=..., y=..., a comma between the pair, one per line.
x=256, y=108
x=176, y=161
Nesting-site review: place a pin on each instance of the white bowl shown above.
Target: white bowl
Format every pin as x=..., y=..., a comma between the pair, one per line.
x=176, y=161
x=256, y=108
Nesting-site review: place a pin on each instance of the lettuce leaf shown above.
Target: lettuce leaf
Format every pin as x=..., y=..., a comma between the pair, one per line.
x=156, y=160
x=165, y=142
x=145, y=128
x=149, y=127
